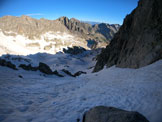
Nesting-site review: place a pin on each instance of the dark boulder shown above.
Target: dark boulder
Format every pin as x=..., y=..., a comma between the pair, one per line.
x=110, y=114
x=44, y=68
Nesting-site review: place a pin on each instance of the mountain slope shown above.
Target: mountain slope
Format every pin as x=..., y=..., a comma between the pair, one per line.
x=25, y=35
x=139, y=40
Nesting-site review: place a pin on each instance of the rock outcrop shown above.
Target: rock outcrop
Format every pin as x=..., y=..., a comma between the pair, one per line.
x=110, y=114
x=74, y=50
x=139, y=40
x=7, y=64
x=44, y=68
x=73, y=75
x=28, y=67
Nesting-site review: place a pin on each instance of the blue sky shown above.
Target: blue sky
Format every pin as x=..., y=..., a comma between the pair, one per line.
x=110, y=11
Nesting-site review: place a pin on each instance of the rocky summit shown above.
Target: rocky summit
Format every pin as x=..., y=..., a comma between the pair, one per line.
x=139, y=40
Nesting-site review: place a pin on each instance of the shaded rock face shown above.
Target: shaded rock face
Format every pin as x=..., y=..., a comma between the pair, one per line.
x=110, y=114
x=139, y=40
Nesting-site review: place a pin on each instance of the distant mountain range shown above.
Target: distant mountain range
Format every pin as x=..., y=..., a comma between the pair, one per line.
x=32, y=35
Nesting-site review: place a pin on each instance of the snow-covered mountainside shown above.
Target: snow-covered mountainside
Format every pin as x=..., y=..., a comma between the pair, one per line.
x=31, y=96
x=49, y=42
x=25, y=35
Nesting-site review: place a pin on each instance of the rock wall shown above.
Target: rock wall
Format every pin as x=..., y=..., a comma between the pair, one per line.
x=138, y=41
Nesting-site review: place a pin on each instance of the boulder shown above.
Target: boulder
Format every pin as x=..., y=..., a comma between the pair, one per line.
x=111, y=114
x=44, y=68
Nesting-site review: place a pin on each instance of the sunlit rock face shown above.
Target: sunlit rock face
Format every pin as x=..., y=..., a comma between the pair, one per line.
x=139, y=40
x=25, y=35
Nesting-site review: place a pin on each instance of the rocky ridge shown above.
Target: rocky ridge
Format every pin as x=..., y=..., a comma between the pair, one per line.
x=53, y=34
x=99, y=32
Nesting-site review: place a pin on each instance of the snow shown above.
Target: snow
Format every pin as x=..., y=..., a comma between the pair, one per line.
x=19, y=44
x=43, y=98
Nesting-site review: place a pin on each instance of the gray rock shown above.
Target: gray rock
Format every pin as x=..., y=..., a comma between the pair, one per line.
x=110, y=114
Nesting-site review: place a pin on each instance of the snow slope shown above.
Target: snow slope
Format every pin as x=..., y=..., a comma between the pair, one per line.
x=42, y=98
x=50, y=42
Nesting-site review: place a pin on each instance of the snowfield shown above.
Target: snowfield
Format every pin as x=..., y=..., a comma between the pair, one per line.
x=44, y=98
x=49, y=42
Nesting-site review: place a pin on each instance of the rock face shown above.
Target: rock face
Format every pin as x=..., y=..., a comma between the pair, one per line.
x=99, y=32
x=139, y=40
x=30, y=27
x=110, y=114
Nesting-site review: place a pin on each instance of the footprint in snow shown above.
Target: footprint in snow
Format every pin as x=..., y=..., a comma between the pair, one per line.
x=5, y=111
x=23, y=108
x=2, y=117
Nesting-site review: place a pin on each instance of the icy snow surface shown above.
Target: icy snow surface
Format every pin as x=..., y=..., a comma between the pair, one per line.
x=44, y=98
